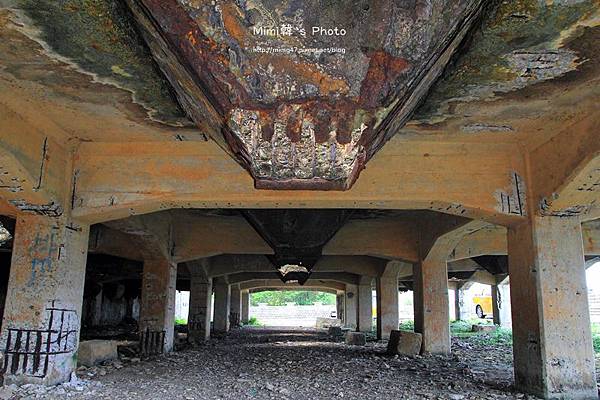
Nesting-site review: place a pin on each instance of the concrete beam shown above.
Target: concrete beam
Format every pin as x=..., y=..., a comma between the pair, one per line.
x=198, y=236
x=276, y=284
x=391, y=238
x=565, y=170
x=449, y=177
x=345, y=278
x=35, y=170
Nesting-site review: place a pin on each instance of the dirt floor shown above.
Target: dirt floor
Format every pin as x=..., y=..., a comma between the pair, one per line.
x=294, y=364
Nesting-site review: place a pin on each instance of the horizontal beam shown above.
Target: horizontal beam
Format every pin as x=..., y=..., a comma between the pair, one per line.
x=276, y=284
x=472, y=179
x=201, y=236
x=341, y=277
x=391, y=238
x=565, y=169
x=34, y=169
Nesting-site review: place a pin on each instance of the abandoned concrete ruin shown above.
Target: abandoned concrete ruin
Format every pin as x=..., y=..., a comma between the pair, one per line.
x=148, y=146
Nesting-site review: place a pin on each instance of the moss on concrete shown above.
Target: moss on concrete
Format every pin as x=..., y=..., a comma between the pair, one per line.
x=515, y=25
x=100, y=36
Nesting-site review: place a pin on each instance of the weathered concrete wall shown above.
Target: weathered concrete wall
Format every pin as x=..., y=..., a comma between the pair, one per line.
x=44, y=299
x=291, y=314
x=553, y=355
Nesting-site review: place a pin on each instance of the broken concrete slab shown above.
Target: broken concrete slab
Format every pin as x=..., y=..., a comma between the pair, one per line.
x=93, y=352
x=405, y=343
x=356, y=338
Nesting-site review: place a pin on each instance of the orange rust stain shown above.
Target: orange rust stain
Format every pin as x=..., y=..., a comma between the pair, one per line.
x=232, y=23
x=384, y=70
x=191, y=38
x=304, y=71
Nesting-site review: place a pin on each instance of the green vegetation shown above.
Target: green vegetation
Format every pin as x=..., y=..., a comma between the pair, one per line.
x=596, y=337
x=501, y=336
x=101, y=37
x=407, y=325
x=180, y=321
x=300, y=297
x=253, y=322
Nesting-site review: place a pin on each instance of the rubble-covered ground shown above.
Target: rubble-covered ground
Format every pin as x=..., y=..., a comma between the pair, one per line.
x=296, y=364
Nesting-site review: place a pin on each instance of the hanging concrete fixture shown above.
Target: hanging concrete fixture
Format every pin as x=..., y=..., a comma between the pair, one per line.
x=303, y=94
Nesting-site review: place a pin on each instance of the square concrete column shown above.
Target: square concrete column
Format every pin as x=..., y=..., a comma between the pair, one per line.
x=462, y=302
x=501, y=304
x=388, y=313
x=245, y=306
x=365, y=304
x=340, y=305
x=235, y=304
x=157, y=308
x=351, y=310
x=432, y=314
x=201, y=289
x=222, y=305
x=552, y=341
x=42, y=314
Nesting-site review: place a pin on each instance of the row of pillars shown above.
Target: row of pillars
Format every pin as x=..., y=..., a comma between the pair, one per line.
x=553, y=354
x=548, y=308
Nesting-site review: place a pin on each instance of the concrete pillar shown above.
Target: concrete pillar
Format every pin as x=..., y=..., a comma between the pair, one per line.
x=462, y=302
x=501, y=304
x=552, y=342
x=235, y=305
x=388, y=313
x=157, y=309
x=431, y=305
x=351, y=310
x=96, y=308
x=365, y=304
x=42, y=314
x=201, y=289
x=222, y=305
x=340, y=305
x=245, y=306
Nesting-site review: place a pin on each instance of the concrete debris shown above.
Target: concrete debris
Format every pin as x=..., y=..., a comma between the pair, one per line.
x=75, y=388
x=92, y=352
x=405, y=343
x=356, y=339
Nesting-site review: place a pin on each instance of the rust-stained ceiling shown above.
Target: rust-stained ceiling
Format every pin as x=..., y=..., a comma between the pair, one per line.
x=528, y=69
x=303, y=93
